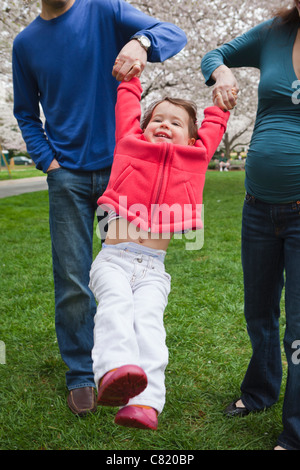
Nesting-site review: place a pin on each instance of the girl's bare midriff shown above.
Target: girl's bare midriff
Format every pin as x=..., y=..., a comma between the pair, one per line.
x=120, y=231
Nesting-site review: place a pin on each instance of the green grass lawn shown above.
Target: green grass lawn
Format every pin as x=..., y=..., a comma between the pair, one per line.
x=19, y=171
x=206, y=335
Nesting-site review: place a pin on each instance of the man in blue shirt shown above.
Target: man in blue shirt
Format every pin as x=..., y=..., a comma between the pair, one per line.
x=69, y=60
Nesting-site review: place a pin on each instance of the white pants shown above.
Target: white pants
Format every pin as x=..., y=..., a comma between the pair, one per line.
x=131, y=289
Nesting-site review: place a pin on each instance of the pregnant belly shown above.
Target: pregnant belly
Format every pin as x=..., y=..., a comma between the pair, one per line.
x=273, y=178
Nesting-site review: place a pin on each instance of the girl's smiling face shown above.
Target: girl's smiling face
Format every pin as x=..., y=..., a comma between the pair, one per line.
x=169, y=123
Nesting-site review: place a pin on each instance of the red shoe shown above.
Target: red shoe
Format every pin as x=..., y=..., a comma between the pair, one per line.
x=119, y=385
x=137, y=416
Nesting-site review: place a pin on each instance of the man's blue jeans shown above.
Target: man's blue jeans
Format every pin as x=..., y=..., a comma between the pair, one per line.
x=271, y=261
x=73, y=201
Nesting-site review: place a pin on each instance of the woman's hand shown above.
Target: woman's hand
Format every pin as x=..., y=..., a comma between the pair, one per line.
x=226, y=88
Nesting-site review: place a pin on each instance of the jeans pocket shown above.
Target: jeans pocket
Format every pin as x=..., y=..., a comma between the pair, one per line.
x=160, y=270
x=52, y=174
x=55, y=170
x=104, y=255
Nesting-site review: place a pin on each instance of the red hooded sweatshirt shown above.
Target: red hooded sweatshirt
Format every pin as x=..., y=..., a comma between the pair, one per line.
x=158, y=186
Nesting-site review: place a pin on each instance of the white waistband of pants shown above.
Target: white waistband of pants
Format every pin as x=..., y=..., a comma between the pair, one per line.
x=138, y=249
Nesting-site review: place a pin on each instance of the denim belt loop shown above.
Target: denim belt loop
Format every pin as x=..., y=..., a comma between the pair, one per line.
x=296, y=205
x=249, y=197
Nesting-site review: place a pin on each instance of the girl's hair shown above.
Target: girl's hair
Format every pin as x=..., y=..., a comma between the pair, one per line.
x=189, y=106
x=288, y=15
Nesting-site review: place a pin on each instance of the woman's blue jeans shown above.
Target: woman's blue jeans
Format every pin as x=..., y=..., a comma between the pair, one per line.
x=73, y=202
x=271, y=261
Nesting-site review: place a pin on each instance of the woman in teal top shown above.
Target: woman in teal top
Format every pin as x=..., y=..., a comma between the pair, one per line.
x=271, y=213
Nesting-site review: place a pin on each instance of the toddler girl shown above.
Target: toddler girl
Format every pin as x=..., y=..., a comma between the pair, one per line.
x=155, y=190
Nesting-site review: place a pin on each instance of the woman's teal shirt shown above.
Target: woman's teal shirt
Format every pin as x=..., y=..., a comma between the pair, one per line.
x=273, y=160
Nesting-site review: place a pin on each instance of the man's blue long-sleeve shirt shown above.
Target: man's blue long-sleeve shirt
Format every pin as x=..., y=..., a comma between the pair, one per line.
x=65, y=65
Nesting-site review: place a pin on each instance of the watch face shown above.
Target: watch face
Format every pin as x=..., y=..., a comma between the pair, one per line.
x=145, y=41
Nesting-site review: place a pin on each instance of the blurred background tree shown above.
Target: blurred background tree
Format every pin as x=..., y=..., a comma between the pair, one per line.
x=207, y=24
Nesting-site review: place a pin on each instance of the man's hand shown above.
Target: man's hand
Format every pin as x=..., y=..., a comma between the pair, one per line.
x=53, y=165
x=130, y=62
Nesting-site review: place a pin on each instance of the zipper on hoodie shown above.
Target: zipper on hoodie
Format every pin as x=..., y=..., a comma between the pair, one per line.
x=161, y=178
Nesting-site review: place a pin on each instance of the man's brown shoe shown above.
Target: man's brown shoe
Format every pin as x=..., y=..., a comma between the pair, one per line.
x=82, y=401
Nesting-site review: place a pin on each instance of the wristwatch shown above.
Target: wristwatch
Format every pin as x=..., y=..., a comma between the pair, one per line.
x=144, y=42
